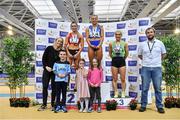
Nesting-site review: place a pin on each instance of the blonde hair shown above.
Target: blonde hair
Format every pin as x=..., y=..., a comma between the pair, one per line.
x=62, y=40
x=118, y=31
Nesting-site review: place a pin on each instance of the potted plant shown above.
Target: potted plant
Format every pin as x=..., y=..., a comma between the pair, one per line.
x=78, y=105
x=21, y=102
x=178, y=102
x=14, y=102
x=16, y=62
x=26, y=101
x=171, y=66
x=133, y=104
x=169, y=102
x=111, y=105
x=174, y=101
x=108, y=106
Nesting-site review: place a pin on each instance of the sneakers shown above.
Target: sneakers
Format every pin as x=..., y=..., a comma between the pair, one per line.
x=99, y=110
x=116, y=94
x=161, y=110
x=53, y=109
x=90, y=110
x=58, y=109
x=81, y=110
x=85, y=110
x=142, y=109
x=64, y=109
x=42, y=108
x=123, y=94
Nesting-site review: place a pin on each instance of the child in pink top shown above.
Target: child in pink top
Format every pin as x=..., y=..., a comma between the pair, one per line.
x=82, y=86
x=95, y=77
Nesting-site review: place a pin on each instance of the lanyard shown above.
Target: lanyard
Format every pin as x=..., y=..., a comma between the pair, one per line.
x=74, y=37
x=94, y=31
x=150, y=49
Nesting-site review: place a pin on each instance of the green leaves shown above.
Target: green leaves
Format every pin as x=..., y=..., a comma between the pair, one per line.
x=172, y=61
x=16, y=60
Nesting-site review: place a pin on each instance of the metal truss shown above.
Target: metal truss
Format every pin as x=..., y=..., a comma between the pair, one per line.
x=66, y=9
x=134, y=8
x=21, y=14
x=16, y=14
x=75, y=10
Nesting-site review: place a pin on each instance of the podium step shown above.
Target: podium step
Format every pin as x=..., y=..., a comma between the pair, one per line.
x=122, y=102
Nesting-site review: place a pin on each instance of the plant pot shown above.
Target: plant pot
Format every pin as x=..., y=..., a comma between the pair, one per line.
x=178, y=105
x=168, y=105
x=16, y=104
x=113, y=107
x=108, y=108
x=133, y=107
x=21, y=104
x=173, y=105
x=12, y=104
x=26, y=105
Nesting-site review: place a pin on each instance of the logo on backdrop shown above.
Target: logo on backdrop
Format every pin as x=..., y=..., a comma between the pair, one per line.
x=40, y=47
x=39, y=63
x=142, y=38
x=132, y=24
x=132, y=78
x=52, y=25
x=121, y=26
x=143, y=22
x=51, y=40
x=132, y=32
x=38, y=79
x=63, y=26
x=132, y=47
x=132, y=63
x=40, y=32
x=132, y=39
x=109, y=34
x=63, y=33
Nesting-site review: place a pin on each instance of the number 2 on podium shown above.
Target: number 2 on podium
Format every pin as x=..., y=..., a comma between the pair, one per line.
x=71, y=98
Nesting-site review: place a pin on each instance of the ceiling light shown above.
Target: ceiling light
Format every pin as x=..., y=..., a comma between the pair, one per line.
x=177, y=31
x=9, y=27
x=10, y=32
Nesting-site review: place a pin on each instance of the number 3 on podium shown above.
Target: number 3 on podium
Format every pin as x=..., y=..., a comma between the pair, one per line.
x=121, y=102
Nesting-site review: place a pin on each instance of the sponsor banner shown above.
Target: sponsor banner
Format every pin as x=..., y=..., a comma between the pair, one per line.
x=133, y=32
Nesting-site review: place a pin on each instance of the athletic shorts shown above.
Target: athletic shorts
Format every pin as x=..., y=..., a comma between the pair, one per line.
x=118, y=62
x=95, y=42
x=73, y=52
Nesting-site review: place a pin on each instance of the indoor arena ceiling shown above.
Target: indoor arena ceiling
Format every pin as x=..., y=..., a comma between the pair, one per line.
x=20, y=14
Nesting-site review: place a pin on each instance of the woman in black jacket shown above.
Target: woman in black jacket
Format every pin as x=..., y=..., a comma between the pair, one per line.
x=50, y=56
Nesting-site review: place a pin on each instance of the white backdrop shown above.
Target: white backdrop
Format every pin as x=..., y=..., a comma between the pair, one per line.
x=133, y=32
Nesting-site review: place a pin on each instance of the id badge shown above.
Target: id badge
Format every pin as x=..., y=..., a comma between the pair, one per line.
x=150, y=56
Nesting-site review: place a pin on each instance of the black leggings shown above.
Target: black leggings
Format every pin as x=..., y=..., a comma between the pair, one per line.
x=45, y=82
x=95, y=91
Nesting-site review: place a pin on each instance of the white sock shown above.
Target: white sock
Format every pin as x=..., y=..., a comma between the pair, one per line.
x=87, y=103
x=82, y=104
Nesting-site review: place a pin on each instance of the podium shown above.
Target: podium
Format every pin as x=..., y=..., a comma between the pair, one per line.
x=122, y=102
